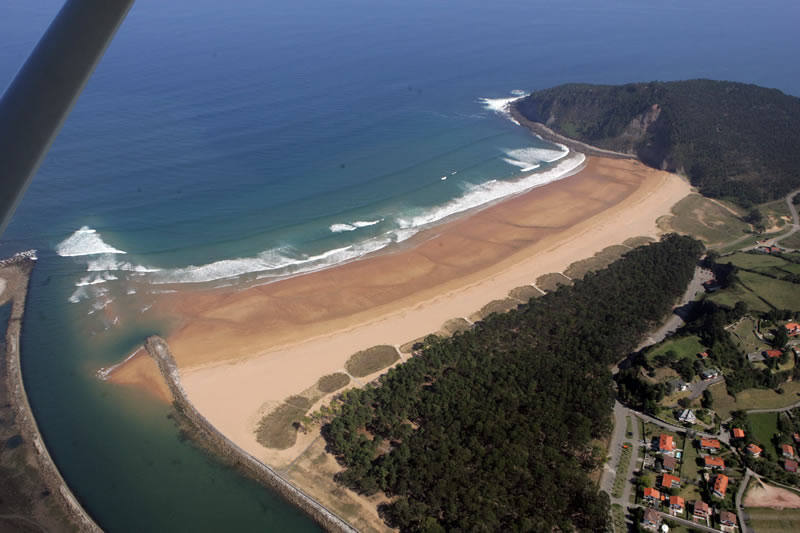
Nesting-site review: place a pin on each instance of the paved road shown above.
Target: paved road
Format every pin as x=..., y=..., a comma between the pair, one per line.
x=739, y=494
x=698, y=388
x=721, y=436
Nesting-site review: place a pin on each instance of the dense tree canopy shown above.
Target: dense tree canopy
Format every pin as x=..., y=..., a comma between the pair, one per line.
x=733, y=140
x=491, y=430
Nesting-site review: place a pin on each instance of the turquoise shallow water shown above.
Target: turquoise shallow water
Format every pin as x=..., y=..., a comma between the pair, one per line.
x=224, y=140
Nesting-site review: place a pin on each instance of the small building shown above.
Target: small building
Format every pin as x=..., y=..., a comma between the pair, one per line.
x=677, y=385
x=714, y=463
x=792, y=329
x=709, y=373
x=703, y=355
x=790, y=466
x=701, y=510
x=676, y=505
x=738, y=433
x=772, y=354
x=711, y=285
x=687, y=416
x=666, y=444
x=651, y=495
x=727, y=521
x=669, y=463
x=754, y=450
x=668, y=481
x=720, y=485
x=711, y=445
x=651, y=519
x=787, y=450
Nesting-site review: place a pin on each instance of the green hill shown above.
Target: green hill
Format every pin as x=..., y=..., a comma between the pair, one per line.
x=731, y=139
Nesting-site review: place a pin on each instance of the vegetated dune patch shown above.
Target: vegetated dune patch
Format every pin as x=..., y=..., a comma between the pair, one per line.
x=333, y=382
x=525, y=293
x=550, y=282
x=763, y=495
x=371, y=360
x=600, y=260
x=495, y=306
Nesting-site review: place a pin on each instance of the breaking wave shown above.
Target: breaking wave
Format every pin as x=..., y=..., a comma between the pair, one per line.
x=501, y=105
x=85, y=241
x=338, y=228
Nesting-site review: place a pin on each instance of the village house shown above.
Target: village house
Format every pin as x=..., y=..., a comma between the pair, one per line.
x=668, y=481
x=703, y=355
x=677, y=385
x=787, y=450
x=666, y=444
x=772, y=354
x=651, y=519
x=753, y=450
x=792, y=329
x=709, y=373
x=714, y=463
x=652, y=496
x=669, y=463
x=790, y=466
x=676, y=505
x=710, y=445
x=687, y=416
x=738, y=433
x=720, y=485
x=727, y=521
x=701, y=510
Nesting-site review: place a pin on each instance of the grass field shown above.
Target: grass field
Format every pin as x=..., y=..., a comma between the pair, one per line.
x=525, y=293
x=371, y=360
x=499, y=306
x=753, y=398
x=707, y=221
x=753, y=261
x=550, y=282
x=781, y=294
x=764, y=426
x=744, y=335
x=454, y=325
x=686, y=348
x=332, y=382
x=600, y=260
x=765, y=520
x=792, y=241
x=618, y=518
x=738, y=293
x=690, y=472
x=622, y=470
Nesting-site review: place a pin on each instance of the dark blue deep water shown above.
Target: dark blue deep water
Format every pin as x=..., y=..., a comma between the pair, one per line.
x=237, y=142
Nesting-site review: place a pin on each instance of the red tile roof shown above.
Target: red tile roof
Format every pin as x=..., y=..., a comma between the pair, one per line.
x=676, y=501
x=700, y=506
x=738, y=433
x=721, y=484
x=650, y=492
x=773, y=353
x=667, y=480
x=753, y=449
x=789, y=465
x=665, y=443
x=727, y=518
x=709, y=443
x=714, y=461
x=787, y=450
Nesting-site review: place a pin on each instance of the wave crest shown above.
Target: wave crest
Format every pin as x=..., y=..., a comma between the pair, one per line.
x=85, y=241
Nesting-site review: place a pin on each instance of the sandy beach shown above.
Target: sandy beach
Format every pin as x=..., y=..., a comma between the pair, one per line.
x=241, y=353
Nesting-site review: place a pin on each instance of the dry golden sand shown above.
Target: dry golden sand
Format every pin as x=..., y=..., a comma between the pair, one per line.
x=241, y=352
x=760, y=495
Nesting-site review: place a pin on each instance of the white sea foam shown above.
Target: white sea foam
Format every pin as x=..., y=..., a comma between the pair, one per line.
x=108, y=262
x=85, y=241
x=352, y=226
x=531, y=158
x=491, y=191
x=502, y=105
x=94, y=280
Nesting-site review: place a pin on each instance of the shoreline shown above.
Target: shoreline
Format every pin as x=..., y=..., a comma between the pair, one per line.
x=70, y=513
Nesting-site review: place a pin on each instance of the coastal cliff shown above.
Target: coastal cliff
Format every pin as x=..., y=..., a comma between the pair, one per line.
x=731, y=139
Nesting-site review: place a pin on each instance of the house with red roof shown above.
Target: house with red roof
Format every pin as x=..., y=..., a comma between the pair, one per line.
x=790, y=466
x=727, y=521
x=668, y=481
x=754, y=450
x=703, y=355
x=714, y=463
x=792, y=329
x=701, y=510
x=772, y=354
x=666, y=444
x=711, y=445
x=720, y=485
x=787, y=450
x=676, y=505
x=651, y=495
x=738, y=433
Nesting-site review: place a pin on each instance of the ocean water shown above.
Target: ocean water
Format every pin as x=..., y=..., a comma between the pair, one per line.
x=225, y=144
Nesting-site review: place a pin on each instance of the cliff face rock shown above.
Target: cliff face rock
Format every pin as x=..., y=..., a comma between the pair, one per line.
x=732, y=140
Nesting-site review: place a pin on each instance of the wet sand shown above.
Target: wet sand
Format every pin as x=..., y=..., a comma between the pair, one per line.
x=242, y=352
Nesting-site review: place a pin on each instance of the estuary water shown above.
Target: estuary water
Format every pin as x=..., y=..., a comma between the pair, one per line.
x=229, y=143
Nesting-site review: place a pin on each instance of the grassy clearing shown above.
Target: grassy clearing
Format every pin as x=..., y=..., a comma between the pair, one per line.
x=495, y=306
x=738, y=293
x=764, y=426
x=455, y=325
x=409, y=346
x=276, y=430
x=705, y=220
x=525, y=293
x=765, y=520
x=744, y=334
x=332, y=382
x=753, y=261
x=550, y=282
x=635, y=242
x=618, y=518
x=685, y=347
x=793, y=241
x=753, y=398
x=371, y=360
x=690, y=471
x=600, y=260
